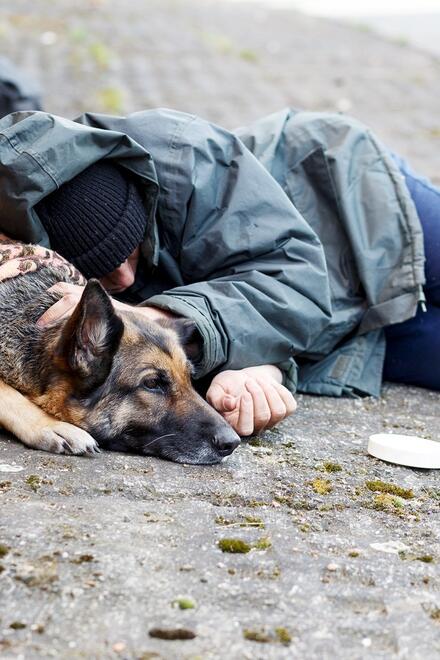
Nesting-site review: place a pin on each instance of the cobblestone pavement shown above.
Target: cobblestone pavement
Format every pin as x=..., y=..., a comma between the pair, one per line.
x=96, y=553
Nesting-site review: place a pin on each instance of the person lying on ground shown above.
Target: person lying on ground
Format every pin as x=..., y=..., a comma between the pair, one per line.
x=295, y=245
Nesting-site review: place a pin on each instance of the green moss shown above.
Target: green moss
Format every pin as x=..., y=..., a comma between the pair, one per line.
x=184, y=603
x=99, y=52
x=284, y=499
x=17, y=625
x=427, y=559
x=387, y=502
x=335, y=506
x=256, y=635
x=252, y=521
x=4, y=549
x=435, y=614
x=305, y=527
x=111, y=99
x=232, y=501
x=279, y=634
x=34, y=481
x=321, y=486
x=253, y=504
x=256, y=442
x=238, y=546
x=304, y=505
x=248, y=55
x=391, y=489
x=247, y=521
x=328, y=466
x=354, y=553
x=263, y=544
x=234, y=546
x=219, y=41
x=288, y=444
x=283, y=635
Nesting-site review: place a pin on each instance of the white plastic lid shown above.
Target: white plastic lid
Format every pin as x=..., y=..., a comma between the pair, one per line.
x=405, y=450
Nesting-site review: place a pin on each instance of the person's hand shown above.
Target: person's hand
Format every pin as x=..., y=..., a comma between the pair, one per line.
x=251, y=399
x=72, y=293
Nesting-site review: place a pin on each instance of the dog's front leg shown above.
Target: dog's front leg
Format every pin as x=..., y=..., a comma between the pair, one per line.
x=37, y=429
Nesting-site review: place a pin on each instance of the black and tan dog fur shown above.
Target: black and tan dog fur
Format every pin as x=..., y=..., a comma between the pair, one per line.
x=100, y=379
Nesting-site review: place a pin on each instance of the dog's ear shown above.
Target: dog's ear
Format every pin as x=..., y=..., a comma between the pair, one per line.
x=187, y=333
x=91, y=336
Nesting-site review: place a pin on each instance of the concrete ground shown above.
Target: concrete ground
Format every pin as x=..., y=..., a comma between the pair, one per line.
x=106, y=557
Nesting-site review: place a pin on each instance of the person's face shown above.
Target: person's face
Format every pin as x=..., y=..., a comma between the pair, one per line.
x=123, y=276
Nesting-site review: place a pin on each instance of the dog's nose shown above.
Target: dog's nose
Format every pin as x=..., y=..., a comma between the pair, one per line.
x=225, y=441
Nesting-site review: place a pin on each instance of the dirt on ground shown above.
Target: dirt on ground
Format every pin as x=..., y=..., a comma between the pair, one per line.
x=299, y=545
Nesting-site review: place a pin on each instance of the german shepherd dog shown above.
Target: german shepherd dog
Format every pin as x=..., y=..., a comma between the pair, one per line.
x=101, y=379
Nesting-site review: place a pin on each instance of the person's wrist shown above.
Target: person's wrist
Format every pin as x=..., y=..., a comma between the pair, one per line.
x=265, y=371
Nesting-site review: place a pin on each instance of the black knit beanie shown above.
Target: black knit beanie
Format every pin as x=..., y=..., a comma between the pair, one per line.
x=95, y=220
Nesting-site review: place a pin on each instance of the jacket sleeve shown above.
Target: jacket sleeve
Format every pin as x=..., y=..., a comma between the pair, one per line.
x=255, y=275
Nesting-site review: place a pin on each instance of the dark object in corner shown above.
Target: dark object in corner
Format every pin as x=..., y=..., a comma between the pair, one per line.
x=17, y=90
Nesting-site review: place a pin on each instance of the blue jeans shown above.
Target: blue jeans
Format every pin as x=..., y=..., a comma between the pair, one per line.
x=413, y=347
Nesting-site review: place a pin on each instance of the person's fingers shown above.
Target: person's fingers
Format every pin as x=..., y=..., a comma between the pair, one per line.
x=287, y=397
x=245, y=423
x=59, y=310
x=229, y=403
x=214, y=395
x=67, y=287
x=218, y=399
x=262, y=413
x=278, y=409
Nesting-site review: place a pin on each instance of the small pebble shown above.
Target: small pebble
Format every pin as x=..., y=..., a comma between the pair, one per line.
x=119, y=647
x=48, y=38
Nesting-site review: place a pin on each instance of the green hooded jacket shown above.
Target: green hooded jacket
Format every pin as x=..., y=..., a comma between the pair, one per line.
x=292, y=242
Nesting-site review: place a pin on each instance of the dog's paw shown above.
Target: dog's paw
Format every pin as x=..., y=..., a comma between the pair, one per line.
x=64, y=438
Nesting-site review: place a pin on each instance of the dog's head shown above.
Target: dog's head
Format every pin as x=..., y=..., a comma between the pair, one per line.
x=127, y=381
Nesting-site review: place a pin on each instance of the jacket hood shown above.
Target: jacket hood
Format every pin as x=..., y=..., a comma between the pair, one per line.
x=41, y=151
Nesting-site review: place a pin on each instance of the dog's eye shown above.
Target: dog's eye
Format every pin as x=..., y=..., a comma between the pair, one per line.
x=154, y=384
